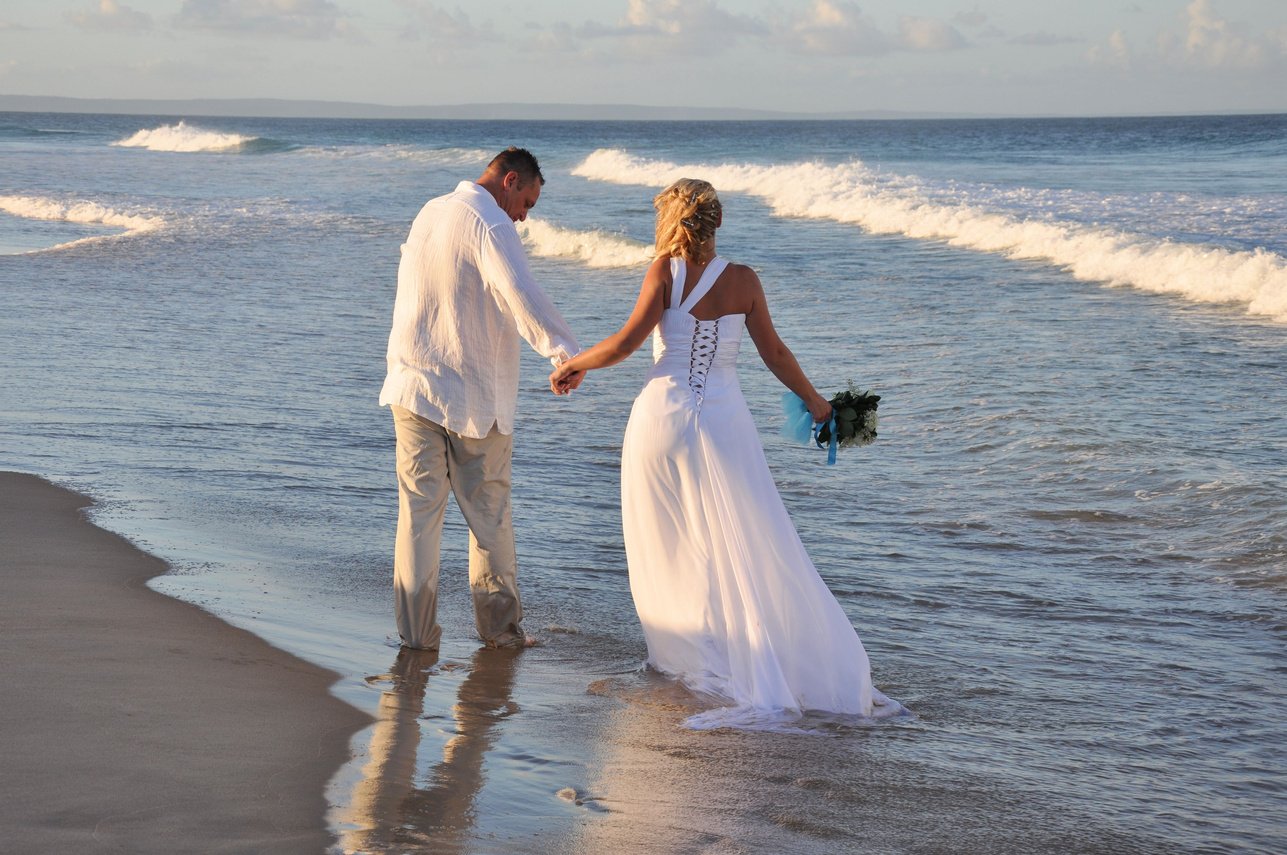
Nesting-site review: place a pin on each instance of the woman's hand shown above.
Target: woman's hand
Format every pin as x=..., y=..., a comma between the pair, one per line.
x=563, y=379
x=819, y=408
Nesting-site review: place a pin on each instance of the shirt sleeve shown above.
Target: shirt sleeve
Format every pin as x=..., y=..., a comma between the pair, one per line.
x=506, y=273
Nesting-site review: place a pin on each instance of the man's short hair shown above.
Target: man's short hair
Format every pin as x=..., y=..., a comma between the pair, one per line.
x=520, y=160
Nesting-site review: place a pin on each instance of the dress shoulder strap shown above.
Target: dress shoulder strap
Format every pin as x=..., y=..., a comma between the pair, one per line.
x=709, y=275
x=678, y=273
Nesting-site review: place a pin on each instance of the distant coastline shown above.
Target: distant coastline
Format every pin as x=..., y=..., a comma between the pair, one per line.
x=282, y=108
x=288, y=109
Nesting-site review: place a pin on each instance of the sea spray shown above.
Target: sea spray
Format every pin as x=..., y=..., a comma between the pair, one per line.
x=852, y=193
x=184, y=138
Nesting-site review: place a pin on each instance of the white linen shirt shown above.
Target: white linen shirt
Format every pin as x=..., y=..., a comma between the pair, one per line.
x=465, y=295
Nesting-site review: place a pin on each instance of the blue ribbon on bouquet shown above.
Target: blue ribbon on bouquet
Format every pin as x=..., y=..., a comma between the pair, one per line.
x=800, y=427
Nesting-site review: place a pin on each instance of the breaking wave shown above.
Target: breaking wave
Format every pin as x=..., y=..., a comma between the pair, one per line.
x=188, y=138
x=592, y=248
x=852, y=193
x=83, y=212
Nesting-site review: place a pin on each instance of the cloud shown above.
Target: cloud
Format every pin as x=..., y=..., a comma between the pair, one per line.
x=110, y=15
x=558, y=38
x=1212, y=42
x=678, y=17
x=675, y=27
x=841, y=28
x=304, y=19
x=1205, y=42
x=434, y=23
x=1115, y=53
x=835, y=27
x=928, y=34
x=12, y=27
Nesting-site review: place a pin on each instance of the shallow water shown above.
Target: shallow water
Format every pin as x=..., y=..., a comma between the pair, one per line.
x=1066, y=552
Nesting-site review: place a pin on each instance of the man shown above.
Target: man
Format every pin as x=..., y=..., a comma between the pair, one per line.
x=465, y=296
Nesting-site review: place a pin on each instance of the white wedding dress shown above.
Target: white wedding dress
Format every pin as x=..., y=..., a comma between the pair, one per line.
x=729, y=601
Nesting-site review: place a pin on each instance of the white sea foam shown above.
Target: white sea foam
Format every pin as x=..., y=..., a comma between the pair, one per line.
x=184, y=137
x=593, y=248
x=851, y=193
x=82, y=211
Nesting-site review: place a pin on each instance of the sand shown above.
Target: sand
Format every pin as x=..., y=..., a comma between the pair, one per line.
x=134, y=722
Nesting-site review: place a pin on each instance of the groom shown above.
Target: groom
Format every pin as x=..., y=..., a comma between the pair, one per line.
x=465, y=296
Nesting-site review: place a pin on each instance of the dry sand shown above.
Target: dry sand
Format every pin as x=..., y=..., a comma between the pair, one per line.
x=133, y=722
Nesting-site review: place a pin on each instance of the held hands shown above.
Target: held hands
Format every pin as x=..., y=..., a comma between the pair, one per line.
x=563, y=380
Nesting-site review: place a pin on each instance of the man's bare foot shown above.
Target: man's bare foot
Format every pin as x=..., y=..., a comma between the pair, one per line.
x=518, y=642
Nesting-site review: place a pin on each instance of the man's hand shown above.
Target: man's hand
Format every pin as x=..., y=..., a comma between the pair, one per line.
x=563, y=381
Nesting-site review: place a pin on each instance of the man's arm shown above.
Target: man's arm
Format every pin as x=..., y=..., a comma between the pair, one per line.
x=506, y=273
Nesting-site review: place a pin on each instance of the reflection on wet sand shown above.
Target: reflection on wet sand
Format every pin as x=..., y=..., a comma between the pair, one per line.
x=401, y=802
x=655, y=779
x=667, y=788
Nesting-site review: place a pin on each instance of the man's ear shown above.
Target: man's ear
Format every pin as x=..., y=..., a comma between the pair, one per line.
x=510, y=181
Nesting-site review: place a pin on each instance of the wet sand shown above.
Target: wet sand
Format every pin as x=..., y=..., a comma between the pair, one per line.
x=135, y=722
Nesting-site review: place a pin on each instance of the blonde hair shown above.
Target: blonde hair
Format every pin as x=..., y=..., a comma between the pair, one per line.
x=688, y=213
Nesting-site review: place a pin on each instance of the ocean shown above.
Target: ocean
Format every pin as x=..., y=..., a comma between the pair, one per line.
x=1066, y=553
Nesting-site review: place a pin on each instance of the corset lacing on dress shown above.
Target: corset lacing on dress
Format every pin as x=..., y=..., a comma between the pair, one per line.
x=705, y=343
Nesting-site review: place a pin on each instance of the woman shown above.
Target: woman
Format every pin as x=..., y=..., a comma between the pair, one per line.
x=729, y=600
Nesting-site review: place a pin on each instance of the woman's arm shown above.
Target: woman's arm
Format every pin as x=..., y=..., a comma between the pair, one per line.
x=625, y=341
x=776, y=355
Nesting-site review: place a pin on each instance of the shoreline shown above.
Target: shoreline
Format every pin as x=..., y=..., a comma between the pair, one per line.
x=139, y=722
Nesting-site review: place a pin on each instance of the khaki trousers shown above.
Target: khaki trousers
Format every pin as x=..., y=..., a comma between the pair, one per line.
x=432, y=461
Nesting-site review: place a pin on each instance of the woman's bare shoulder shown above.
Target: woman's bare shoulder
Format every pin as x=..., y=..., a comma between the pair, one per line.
x=658, y=279
x=739, y=270
x=743, y=278
x=660, y=267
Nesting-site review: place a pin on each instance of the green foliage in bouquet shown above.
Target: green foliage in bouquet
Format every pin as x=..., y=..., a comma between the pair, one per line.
x=855, y=415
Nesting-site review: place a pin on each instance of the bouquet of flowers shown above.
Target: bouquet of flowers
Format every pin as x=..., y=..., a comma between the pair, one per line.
x=853, y=421
x=854, y=418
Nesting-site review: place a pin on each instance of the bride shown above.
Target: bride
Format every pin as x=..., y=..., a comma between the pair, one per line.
x=729, y=601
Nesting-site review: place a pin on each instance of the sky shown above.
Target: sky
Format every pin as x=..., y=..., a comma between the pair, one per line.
x=989, y=57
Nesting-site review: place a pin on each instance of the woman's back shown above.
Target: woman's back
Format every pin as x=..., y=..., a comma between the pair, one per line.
x=729, y=294
x=699, y=353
